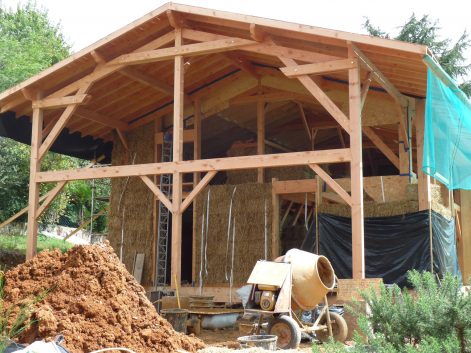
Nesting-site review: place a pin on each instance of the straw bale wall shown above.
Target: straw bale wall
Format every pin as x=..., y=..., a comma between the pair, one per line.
x=248, y=210
x=136, y=202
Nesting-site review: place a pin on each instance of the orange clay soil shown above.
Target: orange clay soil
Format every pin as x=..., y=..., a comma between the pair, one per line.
x=94, y=302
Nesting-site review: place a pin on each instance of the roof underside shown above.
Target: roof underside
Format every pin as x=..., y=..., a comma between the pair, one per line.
x=131, y=99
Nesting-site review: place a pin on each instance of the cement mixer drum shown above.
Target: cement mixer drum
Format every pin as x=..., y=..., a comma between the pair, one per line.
x=312, y=278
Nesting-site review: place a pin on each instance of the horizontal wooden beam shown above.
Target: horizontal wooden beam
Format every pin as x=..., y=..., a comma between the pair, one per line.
x=203, y=165
x=320, y=68
x=294, y=186
x=188, y=136
x=210, y=47
x=62, y=102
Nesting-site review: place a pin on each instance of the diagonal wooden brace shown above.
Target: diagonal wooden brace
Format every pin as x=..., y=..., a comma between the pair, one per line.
x=201, y=185
x=332, y=183
x=157, y=192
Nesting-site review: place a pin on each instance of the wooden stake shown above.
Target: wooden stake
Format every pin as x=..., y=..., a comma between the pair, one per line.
x=275, y=225
x=260, y=136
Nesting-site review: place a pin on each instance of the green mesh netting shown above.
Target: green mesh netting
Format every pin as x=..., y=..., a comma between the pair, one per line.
x=447, y=138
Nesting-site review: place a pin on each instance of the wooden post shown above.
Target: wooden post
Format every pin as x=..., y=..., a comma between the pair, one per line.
x=260, y=136
x=423, y=179
x=356, y=165
x=275, y=225
x=35, y=166
x=465, y=196
x=177, y=157
x=197, y=142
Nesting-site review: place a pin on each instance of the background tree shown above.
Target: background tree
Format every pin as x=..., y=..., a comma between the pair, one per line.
x=29, y=43
x=450, y=54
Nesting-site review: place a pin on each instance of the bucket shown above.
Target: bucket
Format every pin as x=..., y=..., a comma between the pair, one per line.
x=177, y=317
x=267, y=342
x=313, y=277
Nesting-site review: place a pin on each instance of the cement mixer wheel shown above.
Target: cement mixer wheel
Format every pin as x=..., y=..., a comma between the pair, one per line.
x=287, y=331
x=339, y=328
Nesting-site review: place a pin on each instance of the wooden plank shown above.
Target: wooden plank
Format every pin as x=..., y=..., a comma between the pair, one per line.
x=62, y=102
x=285, y=215
x=201, y=185
x=275, y=224
x=319, y=68
x=332, y=183
x=381, y=145
x=123, y=139
x=322, y=98
x=356, y=167
x=188, y=136
x=260, y=137
x=298, y=214
x=35, y=167
x=204, y=165
x=257, y=33
x=178, y=123
x=423, y=180
x=157, y=192
x=295, y=186
x=188, y=50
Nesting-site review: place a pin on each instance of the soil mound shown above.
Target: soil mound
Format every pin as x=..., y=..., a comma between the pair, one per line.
x=93, y=301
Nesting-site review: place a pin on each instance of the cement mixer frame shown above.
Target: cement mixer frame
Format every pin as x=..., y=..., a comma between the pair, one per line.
x=275, y=296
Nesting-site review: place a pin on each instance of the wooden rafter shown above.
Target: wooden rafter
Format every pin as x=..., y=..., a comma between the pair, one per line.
x=332, y=183
x=204, y=165
x=201, y=185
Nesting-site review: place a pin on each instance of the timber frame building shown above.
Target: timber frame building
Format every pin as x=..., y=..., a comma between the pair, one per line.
x=338, y=93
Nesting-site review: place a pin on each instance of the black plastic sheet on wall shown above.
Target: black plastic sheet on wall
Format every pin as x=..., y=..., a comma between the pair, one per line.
x=393, y=245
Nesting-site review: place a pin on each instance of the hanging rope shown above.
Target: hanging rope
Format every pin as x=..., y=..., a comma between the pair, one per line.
x=229, y=222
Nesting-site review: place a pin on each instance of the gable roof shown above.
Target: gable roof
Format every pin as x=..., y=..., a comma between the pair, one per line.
x=127, y=99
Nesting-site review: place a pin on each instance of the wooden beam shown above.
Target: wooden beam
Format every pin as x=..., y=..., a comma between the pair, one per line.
x=319, y=68
x=305, y=123
x=35, y=167
x=322, y=98
x=242, y=63
x=157, y=192
x=54, y=103
x=123, y=139
x=203, y=48
x=260, y=137
x=61, y=123
x=356, y=172
x=423, y=180
x=257, y=33
x=86, y=223
x=197, y=141
x=175, y=19
x=365, y=86
x=275, y=224
x=101, y=118
x=381, y=145
x=201, y=185
x=465, y=196
x=20, y=213
x=189, y=135
x=295, y=186
x=332, y=183
x=300, y=209
x=285, y=216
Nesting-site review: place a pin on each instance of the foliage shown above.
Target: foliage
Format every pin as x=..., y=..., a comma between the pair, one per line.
x=424, y=30
x=434, y=318
x=18, y=242
x=14, y=319
x=30, y=43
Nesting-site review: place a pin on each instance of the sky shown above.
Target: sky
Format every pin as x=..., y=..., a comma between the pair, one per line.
x=86, y=21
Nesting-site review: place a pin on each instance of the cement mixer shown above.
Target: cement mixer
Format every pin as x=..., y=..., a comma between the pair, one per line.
x=282, y=289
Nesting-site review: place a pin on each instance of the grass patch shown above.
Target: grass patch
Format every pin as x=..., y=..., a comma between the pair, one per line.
x=18, y=242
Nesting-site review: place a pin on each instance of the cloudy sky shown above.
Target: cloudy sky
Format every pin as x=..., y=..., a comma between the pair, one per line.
x=86, y=21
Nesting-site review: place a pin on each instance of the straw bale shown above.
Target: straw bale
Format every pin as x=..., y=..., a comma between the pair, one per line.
x=137, y=203
x=248, y=209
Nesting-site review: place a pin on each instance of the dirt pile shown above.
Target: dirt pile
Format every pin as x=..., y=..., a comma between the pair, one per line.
x=94, y=302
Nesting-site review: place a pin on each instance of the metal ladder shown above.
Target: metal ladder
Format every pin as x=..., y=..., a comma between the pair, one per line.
x=164, y=216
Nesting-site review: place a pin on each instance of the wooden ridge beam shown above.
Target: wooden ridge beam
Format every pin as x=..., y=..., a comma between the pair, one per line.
x=203, y=165
x=320, y=95
x=202, y=48
x=61, y=102
x=201, y=185
x=332, y=183
x=383, y=147
x=157, y=192
x=319, y=68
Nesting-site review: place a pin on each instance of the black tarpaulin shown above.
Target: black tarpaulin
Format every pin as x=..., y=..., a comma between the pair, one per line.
x=393, y=245
x=19, y=129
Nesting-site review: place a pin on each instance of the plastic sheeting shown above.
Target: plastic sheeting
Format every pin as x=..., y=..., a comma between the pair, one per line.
x=393, y=245
x=447, y=136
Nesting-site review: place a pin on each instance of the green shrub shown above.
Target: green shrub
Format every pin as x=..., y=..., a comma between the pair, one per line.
x=433, y=318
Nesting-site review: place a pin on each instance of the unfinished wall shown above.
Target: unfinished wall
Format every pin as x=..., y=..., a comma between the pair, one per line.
x=131, y=210
x=249, y=209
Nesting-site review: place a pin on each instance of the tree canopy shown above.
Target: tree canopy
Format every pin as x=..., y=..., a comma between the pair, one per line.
x=451, y=54
x=29, y=43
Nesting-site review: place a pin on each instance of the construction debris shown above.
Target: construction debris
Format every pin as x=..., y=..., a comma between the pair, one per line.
x=93, y=301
